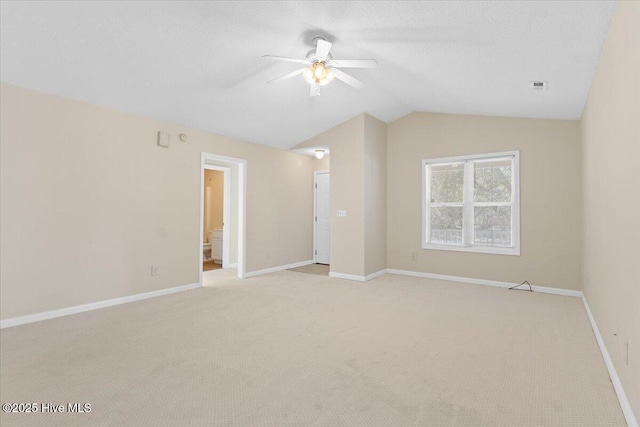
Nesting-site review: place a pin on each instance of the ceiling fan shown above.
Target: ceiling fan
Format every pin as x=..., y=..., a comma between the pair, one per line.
x=320, y=67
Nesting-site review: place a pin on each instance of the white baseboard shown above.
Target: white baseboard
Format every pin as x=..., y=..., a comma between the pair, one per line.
x=346, y=276
x=617, y=384
x=30, y=318
x=542, y=289
x=376, y=274
x=356, y=277
x=277, y=268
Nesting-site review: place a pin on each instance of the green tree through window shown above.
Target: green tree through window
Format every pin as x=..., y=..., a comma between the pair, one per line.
x=470, y=201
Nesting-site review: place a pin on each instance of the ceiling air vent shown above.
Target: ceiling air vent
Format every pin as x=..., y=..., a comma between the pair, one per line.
x=538, y=85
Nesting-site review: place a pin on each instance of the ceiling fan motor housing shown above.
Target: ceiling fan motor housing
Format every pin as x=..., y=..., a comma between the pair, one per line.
x=311, y=56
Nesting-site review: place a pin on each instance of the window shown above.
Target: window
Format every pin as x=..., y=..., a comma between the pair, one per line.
x=471, y=203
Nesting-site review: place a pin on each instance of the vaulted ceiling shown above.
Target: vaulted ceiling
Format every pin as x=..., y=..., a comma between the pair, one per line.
x=200, y=64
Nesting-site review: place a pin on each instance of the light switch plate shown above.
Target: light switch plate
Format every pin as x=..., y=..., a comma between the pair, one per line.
x=163, y=139
x=342, y=213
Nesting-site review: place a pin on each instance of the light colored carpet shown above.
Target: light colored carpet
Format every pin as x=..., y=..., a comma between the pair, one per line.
x=290, y=349
x=321, y=269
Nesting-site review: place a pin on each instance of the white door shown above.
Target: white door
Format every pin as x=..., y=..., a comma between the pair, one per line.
x=322, y=218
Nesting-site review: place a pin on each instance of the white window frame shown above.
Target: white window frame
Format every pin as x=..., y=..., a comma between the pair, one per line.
x=467, y=245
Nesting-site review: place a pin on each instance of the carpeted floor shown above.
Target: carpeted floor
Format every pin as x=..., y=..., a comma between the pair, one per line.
x=322, y=269
x=291, y=349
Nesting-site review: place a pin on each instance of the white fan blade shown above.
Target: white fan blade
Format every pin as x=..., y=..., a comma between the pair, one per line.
x=282, y=58
x=322, y=49
x=288, y=76
x=354, y=63
x=351, y=81
x=315, y=90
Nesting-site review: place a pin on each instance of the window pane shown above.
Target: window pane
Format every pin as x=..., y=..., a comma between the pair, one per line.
x=447, y=182
x=492, y=181
x=446, y=225
x=492, y=225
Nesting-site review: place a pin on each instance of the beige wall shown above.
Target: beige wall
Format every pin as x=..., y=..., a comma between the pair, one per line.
x=90, y=202
x=323, y=164
x=214, y=201
x=347, y=186
x=375, y=195
x=611, y=157
x=347, y=193
x=358, y=185
x=550, y=195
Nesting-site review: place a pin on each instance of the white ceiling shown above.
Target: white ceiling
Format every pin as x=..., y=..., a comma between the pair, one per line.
x=199, y=64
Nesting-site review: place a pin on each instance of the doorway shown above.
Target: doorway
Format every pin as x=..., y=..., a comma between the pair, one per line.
x=222, y=239
x=216, y=213
x=321, y=224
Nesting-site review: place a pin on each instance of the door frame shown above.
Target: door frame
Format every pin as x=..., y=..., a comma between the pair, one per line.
x=226, y=212
x=242, y=208
x=315, y=212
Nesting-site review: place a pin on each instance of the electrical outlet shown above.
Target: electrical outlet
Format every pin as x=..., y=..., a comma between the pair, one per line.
x=154, y=270
x=414, y=256
x=268, y=255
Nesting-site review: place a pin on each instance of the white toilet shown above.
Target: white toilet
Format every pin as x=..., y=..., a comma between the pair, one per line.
x=206, y=247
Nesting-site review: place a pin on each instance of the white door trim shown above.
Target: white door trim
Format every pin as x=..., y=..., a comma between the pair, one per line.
x=242, y=208
x=315, y=212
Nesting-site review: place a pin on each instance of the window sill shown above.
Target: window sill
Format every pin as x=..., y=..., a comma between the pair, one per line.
x=475, y=249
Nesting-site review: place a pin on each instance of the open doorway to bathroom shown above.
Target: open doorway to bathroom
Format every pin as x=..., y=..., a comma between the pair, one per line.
x=221, y=243
x=214, y=216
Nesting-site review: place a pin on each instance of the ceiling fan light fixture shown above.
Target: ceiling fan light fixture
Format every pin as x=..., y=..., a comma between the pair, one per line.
x=321, y=69
x=319, y=154
x=319, y=74
x=308, y=76
x=329, y=77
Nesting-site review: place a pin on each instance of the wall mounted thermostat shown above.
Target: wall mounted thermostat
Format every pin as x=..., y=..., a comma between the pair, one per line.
x=163, y=139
